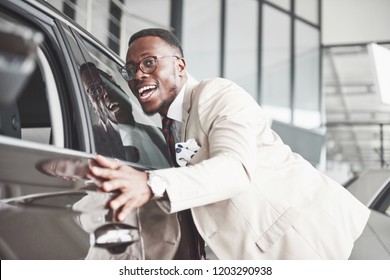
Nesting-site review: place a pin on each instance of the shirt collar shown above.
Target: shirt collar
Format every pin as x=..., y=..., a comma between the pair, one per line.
x=175, y=111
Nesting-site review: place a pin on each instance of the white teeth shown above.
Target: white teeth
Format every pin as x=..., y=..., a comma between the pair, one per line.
x=113, y=104
x=141, y=90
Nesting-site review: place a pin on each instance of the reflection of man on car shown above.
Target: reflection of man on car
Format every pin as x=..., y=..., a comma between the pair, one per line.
x=143, y=144
x=105, y=128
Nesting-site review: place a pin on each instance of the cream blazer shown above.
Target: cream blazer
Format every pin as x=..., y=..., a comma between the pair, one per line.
x=251, y=197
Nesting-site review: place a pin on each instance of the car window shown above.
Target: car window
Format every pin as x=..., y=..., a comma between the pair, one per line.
x=34, y=115
x=142, y=139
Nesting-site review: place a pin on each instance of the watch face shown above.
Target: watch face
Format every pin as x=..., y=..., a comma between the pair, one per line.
x=157, y=184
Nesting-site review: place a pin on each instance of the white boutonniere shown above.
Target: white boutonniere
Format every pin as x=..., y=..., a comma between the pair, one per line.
x=185, y=151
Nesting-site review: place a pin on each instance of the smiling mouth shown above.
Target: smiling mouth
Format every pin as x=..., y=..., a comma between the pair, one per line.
x=114, y=106
x=146, y=92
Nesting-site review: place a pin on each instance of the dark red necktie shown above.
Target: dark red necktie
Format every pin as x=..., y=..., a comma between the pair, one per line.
x=185, y=217
x=169, y=138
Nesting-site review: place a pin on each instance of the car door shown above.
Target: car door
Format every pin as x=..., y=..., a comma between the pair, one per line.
x=38, y=136
x=49, y=209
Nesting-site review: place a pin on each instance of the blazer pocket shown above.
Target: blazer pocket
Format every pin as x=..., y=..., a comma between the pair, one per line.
x=278, y=229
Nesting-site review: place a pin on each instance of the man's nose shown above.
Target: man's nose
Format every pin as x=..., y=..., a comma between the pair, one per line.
x=139, y=74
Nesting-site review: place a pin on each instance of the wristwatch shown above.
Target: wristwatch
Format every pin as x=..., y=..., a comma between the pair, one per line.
x=157, y=184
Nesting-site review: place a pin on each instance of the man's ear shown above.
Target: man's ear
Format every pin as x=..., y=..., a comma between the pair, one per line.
x=182, y=66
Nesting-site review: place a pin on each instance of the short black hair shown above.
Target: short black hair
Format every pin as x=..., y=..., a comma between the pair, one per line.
x=164, y=34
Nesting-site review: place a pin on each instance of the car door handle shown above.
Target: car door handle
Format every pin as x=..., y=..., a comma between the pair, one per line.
x=115, y=237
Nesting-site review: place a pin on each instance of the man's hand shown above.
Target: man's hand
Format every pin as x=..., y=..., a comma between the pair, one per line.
x=116, y=175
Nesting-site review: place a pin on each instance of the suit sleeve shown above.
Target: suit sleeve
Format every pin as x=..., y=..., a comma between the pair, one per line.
x=230, y=120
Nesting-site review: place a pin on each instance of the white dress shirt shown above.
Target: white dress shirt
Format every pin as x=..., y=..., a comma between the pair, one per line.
x=175, y=112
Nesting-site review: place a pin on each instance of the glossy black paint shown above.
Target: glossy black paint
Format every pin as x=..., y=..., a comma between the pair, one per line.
x=49, y=209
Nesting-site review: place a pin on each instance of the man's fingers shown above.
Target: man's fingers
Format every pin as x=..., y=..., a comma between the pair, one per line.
x=117, y=176
x=129, y=205
x=115, y=184
x=108, y=162
x=107, y=174
x=126, y=210
x=125, y=203
x=121, y=199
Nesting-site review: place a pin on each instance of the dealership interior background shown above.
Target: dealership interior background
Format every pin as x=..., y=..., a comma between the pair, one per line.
x=308, y=63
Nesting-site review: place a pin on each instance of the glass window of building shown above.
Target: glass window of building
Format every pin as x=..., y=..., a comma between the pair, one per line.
x=307, y=9
x=276, y=64
x=201, y=37
x=143, y=14
x=284, y=4
x=307, y=76
x=146, y=14
x=242, y=47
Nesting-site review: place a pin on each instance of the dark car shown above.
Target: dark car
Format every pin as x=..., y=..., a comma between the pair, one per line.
x=62, y=101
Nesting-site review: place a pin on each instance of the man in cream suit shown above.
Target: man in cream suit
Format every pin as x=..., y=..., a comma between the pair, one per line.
x=249, y=195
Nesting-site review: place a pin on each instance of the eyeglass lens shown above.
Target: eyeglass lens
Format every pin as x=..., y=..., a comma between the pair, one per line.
x=146, y=65
x=95, y=90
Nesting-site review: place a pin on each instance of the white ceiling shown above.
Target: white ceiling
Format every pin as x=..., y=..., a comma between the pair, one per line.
x=355, y=21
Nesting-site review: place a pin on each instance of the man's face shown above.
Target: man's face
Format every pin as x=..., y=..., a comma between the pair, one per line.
x=98, y=95
x=157, y=90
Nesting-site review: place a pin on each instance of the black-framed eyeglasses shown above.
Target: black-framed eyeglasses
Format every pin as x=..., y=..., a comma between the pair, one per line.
x=147, y=65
